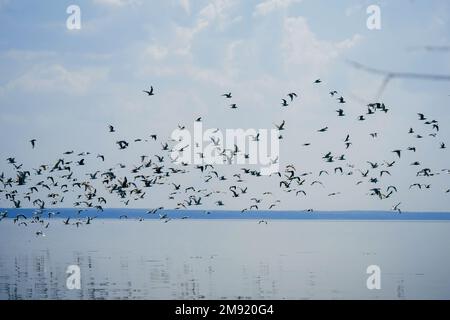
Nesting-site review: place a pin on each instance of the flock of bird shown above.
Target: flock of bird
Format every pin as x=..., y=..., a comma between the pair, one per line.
x=45, y=187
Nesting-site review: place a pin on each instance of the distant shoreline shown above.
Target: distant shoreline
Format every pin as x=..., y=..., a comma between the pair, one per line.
x=117, y=213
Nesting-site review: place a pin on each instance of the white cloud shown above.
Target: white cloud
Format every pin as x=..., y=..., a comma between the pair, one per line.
x=156, y=52
x=349, y=11
x=267, y=6
x=184, y=37
x=302, y=47
x=216, y=11
x=213, y=12
x=185, y=4
x=117, y=3
x=28, y=55
x=231, y=66
x=56, y=78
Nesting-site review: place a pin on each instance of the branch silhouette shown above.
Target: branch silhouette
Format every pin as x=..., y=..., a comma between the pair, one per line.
x=430, y=48
x=389, y=75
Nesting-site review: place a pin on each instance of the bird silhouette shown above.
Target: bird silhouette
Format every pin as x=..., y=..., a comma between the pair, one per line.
x=149, y=92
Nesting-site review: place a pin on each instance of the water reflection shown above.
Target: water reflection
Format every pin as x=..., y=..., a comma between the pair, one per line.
x=292, y=260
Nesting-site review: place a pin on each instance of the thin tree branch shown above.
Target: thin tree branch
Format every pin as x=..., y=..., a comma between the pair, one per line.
x=389, y=75
x=431, y=48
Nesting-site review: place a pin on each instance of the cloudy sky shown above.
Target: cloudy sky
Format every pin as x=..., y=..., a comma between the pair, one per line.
x=63, y=87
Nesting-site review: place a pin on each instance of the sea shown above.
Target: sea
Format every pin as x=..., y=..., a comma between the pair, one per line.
x=170, y=254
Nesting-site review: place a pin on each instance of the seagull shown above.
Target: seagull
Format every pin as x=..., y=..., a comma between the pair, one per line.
x=3, y=215
x=398, y=152
x=391, y=187
x=334, y=194
x=384, y=171
x=122, y=144
x=341, y=100
x=389, y=165
x=149, y=93
x=373, y=165
x=281, y=126
x=396, y=207
x=292, y=95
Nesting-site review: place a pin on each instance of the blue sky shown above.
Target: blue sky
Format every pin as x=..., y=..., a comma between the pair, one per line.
x=64, y=87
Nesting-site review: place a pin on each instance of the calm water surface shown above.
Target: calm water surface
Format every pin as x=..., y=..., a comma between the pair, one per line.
x=226, y=259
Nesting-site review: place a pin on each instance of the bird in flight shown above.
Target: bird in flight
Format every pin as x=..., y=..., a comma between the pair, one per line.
x=292, y=95
x=33, y=143
x=421, y=116
x=149, y=93
x=281, y=126
x=340, y=113
x=398, y=152
x=396, y=207
x=122, y=144
x=227, y=95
